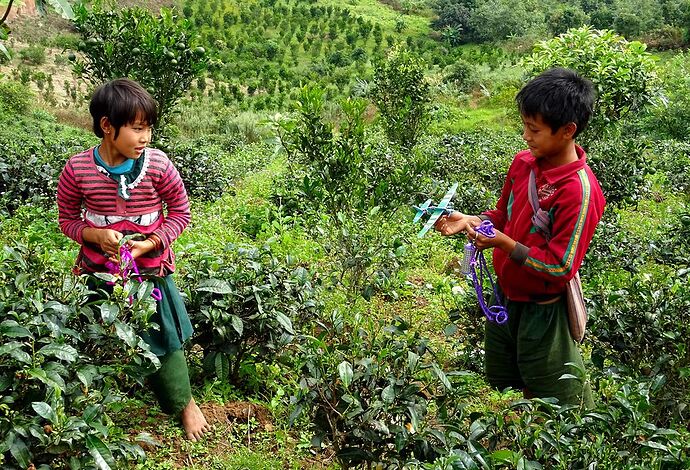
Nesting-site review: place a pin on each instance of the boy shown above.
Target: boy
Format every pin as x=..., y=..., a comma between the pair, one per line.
x=531, y=349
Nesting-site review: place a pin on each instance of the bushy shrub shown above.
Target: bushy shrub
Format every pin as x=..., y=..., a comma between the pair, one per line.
x=462, y=74
x=15, y=97
x=364, y=389
x=247, y=305
x=64, y=362
x=33, y=55
x=672, y=117
x=620, y=163
x=402, y=95
x=673, y=158
x=623, y=73
x=34, y=151
x=479, y=161
x=204, y=166
x=494, y=20
x=162, y=53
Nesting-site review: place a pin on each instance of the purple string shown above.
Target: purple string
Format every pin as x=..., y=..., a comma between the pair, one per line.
x=126, y=268
x=495, y=313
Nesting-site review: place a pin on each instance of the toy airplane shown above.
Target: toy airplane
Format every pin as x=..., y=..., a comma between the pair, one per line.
x=445, y=207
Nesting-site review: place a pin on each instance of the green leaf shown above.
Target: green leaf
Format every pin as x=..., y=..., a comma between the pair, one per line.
x=86, y=374
x=45, y=411
x=61, y=351
x=4, y=50
x=285, y=322
x=12, y=329
x=99, y=451
x=41, y=375
x=222, y=364
x=215, y=286
x=346, y=373
x=237, y=324
x=19, y=450
x=388, y=394
x=126, y=334
x=441, y=376
x=14, y=349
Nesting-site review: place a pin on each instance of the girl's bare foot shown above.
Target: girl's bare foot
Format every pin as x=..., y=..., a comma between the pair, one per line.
x=193, y=421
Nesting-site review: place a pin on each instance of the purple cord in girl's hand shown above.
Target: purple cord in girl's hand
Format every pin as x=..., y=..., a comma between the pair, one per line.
x=126, y=268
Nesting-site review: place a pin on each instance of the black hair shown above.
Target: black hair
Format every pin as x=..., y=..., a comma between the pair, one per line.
x=122, y=100
x=559, y=96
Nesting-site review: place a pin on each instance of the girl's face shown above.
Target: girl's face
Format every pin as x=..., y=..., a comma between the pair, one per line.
x=131, y=140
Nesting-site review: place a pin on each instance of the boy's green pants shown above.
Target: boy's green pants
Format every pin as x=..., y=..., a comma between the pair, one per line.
x=170, y=383
x=531, y=349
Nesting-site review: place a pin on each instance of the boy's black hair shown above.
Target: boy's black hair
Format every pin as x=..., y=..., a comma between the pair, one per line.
x=122, y=100
x=559, y=96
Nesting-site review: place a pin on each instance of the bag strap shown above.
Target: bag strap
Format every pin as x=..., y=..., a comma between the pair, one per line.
x=540, y=218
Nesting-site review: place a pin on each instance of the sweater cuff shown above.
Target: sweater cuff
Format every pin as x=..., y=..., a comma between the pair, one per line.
x=519, y=253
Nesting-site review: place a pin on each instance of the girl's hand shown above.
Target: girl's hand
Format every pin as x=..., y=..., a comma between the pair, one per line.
x=107, y=239
x=138, y=248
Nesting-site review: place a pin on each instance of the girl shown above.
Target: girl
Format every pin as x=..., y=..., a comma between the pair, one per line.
x=118, y=188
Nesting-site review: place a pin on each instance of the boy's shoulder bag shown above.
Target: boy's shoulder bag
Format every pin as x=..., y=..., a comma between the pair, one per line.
x=577, y=311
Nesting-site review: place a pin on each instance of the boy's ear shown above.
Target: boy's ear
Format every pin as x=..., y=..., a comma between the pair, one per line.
x=569, y=130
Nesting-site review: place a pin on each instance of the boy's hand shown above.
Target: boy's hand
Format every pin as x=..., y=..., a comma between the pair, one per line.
x=501, y=240
x=457, y=222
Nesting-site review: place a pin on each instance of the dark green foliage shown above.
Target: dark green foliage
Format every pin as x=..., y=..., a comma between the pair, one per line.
x=33, y=151
x=162, y=53
x=479, y=161
x=204, y=165
x=462, y=74
x=402, y=95
x=674, y=161
x=247, y=306
x=540, y=434
x=364, y=389
x=63, y=364
x=620, y=163
x=623, y=73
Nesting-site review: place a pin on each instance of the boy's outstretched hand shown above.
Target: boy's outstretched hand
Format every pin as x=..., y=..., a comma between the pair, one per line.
x=457, y=222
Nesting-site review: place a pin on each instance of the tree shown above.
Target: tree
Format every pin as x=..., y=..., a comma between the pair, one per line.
x=161, y=53
x=623, y=73
x=402, y=96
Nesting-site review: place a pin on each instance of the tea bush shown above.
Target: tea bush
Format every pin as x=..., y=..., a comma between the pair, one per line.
x=64, y=360
x=247, y=306
x=34, y=150
x=540, y=434
x=15, y=98
x=365, y=389
x=479, y=161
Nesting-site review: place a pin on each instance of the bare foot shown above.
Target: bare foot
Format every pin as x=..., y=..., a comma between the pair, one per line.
x=193, y=421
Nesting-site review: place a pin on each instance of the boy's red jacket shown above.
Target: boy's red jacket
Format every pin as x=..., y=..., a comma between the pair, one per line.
x=538, y=269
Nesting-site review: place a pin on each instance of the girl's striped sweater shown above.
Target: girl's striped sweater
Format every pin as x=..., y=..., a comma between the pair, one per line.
x=85, y=187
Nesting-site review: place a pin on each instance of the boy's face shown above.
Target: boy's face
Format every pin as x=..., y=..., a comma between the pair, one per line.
x=542, y=141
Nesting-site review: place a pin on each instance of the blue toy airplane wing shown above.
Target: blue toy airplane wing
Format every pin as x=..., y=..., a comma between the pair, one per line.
x=432, y=220
x=449, y=195
x=421, y=210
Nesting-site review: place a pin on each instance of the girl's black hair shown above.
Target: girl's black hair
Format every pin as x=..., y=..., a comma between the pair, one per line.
x=122, y=100
x=559, y=96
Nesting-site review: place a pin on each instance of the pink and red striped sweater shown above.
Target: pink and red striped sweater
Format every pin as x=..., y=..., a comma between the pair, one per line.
x=87, y=197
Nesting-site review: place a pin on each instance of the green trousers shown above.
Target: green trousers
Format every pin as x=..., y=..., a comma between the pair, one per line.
x=170, y=383
x=531, y=351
